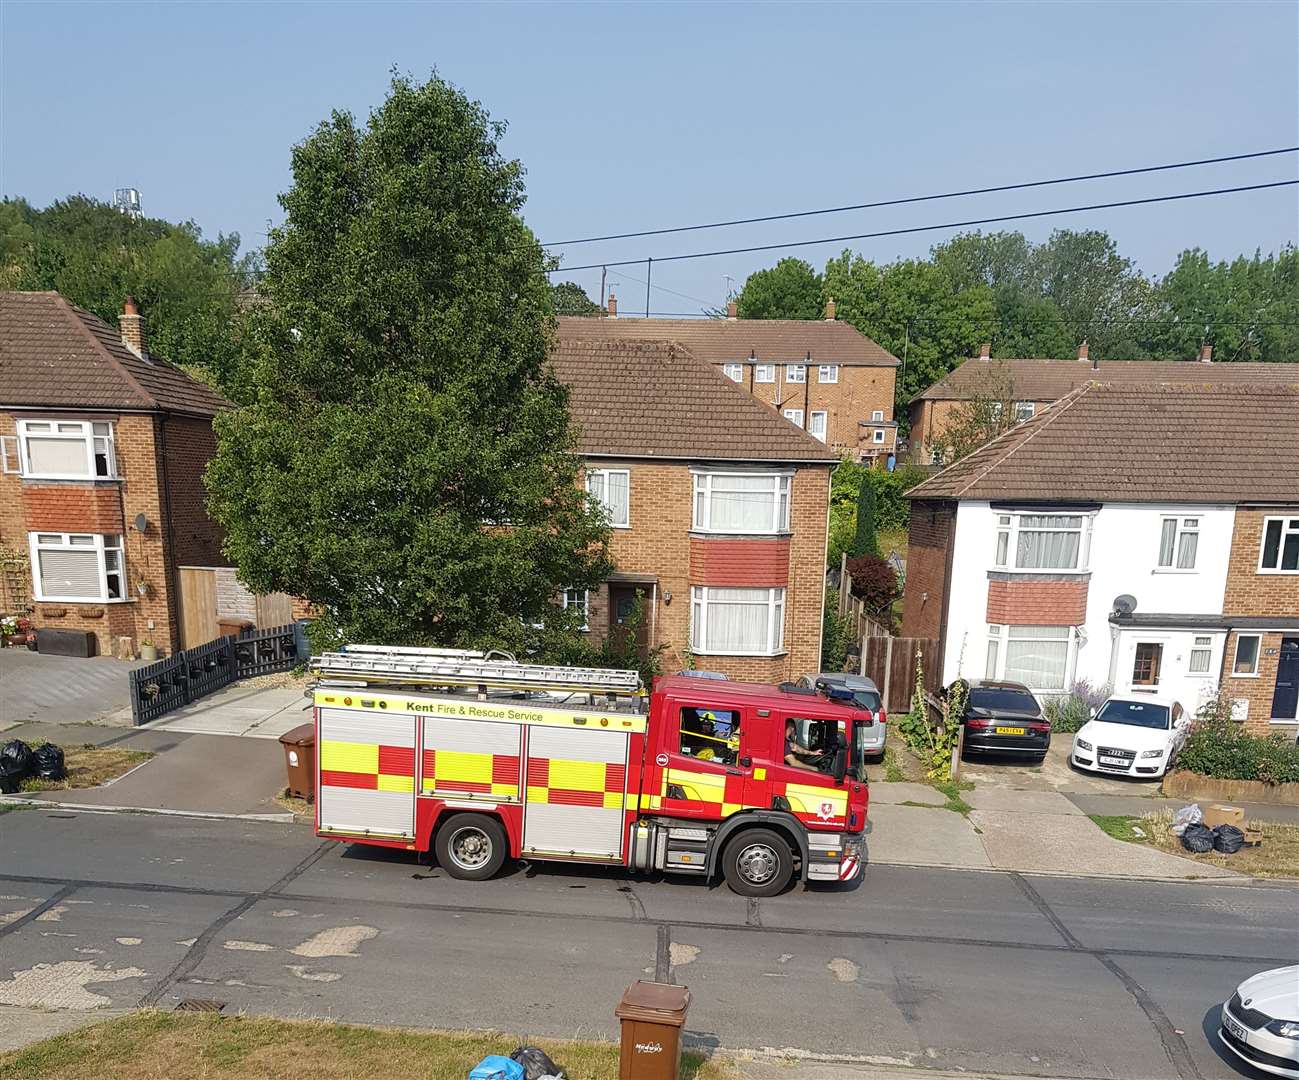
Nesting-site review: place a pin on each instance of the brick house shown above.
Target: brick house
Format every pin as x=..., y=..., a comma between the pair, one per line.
x=1141, y=538
x=101, y=493
x=823, y=376
x=719, y=509
x=1037, y=383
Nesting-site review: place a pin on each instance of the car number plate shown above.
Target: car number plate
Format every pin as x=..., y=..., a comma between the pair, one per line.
x=1010, y=731
x=1232, y=1026
x=1120, y=762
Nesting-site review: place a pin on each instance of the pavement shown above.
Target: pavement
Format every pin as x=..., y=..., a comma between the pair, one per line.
x=240, y=710
x=912, y=969
x=62, y=689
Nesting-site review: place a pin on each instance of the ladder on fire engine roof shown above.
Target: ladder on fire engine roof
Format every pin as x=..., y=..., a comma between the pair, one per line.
x=367, y=665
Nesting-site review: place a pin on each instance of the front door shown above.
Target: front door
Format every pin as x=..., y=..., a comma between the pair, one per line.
x=627, y=617
x=1285, y=699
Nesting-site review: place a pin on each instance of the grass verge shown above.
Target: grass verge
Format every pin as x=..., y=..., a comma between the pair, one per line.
x=952, y=789
x=90, y=766
x=200, y=1046
x=1276, y=857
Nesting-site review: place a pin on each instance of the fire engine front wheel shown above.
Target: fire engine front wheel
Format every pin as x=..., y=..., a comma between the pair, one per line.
x=758, y=862
x=471, y=846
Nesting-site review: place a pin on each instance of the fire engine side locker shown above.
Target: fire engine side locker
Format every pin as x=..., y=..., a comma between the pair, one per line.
x=576, y=792
x=366, y=773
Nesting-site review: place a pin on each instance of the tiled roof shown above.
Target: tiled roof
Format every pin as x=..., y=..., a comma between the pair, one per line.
x=1145, y=443
x=655, y=399
x=720, y=341
x=55, y=355
x=1049, y=380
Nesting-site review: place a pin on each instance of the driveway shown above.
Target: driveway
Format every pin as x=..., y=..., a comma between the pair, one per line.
x=62, y=689
x=1054, y=774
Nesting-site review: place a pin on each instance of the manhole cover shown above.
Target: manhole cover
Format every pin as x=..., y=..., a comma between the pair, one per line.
x=200, y=1005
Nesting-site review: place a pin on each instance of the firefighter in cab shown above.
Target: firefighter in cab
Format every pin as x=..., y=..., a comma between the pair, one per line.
x=798, y=756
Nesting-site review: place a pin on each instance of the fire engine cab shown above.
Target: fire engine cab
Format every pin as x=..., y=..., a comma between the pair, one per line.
x=479, y=759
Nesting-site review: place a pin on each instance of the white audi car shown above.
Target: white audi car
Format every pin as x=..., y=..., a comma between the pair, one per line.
x=1132, y=736
x=1260, y=1024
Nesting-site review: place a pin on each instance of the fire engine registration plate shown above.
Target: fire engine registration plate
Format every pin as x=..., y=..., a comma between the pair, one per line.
x=1010, y=731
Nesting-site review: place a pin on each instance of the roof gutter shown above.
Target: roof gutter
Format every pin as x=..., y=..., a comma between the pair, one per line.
x=699, y=459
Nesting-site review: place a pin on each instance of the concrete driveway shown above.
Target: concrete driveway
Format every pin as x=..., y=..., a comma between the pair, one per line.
x=1054, y=774
x=62, y=689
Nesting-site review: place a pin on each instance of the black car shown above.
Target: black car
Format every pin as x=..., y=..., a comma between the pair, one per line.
x=1005, y=718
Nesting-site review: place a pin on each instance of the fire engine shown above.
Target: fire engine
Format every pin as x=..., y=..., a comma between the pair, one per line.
x=478, y=758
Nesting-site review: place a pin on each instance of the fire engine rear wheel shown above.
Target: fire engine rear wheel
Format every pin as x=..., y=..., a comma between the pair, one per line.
x=471, y=847
x=758, y=862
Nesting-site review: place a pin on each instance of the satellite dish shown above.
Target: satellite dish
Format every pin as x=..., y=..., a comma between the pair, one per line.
x=141, y=523
x=1125, y=604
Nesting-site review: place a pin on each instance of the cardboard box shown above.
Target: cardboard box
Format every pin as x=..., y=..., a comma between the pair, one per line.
x=1216, y=814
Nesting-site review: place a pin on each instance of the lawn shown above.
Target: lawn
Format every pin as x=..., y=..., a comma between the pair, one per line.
x=1276, y=857
x=205, y=1046
x=90, y=766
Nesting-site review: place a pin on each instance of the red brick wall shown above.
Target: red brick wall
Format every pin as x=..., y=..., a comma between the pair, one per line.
x=933, y=526
x=1257, y=689
x=739, y=563
x=189, y=444
x=1037, y=603
x=73, y=507
x=1248, y=591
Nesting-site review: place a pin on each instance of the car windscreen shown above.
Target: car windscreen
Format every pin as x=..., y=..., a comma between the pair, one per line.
x=1135, y=713
x=997, y=700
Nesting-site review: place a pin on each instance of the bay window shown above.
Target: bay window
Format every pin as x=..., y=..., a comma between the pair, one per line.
x=1042, y=541
x=737, y=622
x=753, y=503
x=1038, y=656
x=80, y=567
x=1179, y=540
x=66, y=449
x=612, y=489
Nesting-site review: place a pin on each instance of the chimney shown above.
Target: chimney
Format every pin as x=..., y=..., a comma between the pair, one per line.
x=829, y=310
x=1206, y=354
x=132, y=327
x=732, y=310
x=613, y=306
x=985, y=351
x=1082, y=351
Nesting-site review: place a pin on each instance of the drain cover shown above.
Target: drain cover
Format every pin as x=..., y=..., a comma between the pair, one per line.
x=200, y=1005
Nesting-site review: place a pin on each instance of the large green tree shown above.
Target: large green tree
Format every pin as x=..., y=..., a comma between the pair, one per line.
x=789, y=290
x=569, y=298
x=402, y=455
x=186, y=286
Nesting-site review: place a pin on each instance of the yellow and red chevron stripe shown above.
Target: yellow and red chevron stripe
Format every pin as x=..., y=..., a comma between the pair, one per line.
x=367, y=766
x=576, y=783
x=465, y=772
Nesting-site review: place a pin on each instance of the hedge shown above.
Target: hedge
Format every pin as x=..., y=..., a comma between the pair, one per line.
x=1223, y=750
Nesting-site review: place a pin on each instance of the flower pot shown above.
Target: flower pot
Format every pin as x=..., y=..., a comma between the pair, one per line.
x=148, y=652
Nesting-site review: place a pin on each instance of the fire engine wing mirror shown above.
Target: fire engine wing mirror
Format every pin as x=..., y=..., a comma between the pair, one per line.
x=839, y=768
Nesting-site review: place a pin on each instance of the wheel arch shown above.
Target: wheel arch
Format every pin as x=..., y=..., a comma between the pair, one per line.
x=785, y=824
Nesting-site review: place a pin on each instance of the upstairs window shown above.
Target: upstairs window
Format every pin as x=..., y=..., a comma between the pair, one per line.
x=764, y=373
x=82, y=567
x=877, y=414
x=67, y=449
x=1024, y=410
x=1041, y=542
x=734, y=372
x=879, y=435
x=742, y=502
x=1179, y=540
x=612, y=489
x=827, y=373
x=796, y=373
x=794, y=416
x=1280, y=553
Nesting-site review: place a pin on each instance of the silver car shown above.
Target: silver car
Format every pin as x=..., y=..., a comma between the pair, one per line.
x=866, y=695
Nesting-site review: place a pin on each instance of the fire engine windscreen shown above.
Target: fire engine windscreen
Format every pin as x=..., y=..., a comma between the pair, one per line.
x=711, y=734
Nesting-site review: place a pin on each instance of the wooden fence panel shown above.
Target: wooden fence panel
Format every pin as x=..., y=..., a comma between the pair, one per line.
x=890, y=662
x=198, y=606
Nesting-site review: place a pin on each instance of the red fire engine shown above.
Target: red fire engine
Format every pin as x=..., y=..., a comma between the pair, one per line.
x=480, y=759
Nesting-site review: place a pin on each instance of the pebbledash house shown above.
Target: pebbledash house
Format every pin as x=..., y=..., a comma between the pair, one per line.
x=101, y=494
x=719, y=510
x=1143, y=538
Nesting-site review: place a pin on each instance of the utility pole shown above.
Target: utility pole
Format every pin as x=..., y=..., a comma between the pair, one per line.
x=649, y=276
x=604, y=271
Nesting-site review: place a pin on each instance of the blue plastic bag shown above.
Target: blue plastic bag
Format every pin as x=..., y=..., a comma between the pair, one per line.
x=495, y=1067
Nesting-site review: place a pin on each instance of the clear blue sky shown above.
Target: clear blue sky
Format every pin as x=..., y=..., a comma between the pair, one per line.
x=638, y=116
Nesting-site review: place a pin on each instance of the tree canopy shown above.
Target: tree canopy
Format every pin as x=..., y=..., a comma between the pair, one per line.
x=402, y=455
x=95, y=256
x=569, y=298
x=789, y=290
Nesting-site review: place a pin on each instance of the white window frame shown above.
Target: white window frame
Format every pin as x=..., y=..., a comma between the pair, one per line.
x=993, y=656
x=1235, y=657
x=823, y=425
x=1003, y=636
x=570, y=599
x=1289, y=523
x=1008, y=525
x=1201, y=645
x=734, y=372
x=879, y=436
x=100, y=545
x=796, y=373
x=1024, y=410
x=606, y=473
x=827, y=373
x=773, y=598
x=764, y=373
x=86, y=434
x=1182, y=527
x=703, y=494
x=877, y=415
x=11, y=460
x=794, y=416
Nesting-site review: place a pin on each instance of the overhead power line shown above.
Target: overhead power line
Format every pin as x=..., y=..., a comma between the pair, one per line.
x=930, y=198
x=929, y=228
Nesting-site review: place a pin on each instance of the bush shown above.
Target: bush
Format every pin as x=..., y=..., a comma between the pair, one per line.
x=836, y=634
x=1221, y=748
x=875, y=582
x=1067, y=714
x=892, y=508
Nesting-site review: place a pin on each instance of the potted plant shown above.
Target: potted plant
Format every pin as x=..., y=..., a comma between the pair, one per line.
x=148, y=649
x=9, y=632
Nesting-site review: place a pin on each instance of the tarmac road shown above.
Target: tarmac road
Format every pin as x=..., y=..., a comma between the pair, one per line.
x=918, y=967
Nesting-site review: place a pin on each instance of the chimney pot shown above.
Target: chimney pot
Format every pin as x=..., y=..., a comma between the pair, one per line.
x=829, y=310
x=985, y=351
x=732, y=310
x=1206, y=354
x=613, y=306
x=132, y=325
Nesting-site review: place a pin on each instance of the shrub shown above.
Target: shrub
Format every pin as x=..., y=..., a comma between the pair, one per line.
x=875, y=582
x=1068, y=713
x=1221, y=748
x=836, y=634
x=892, y=508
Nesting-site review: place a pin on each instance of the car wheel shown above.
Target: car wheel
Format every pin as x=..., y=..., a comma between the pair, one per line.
x=758, y=862
x=471, y=847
